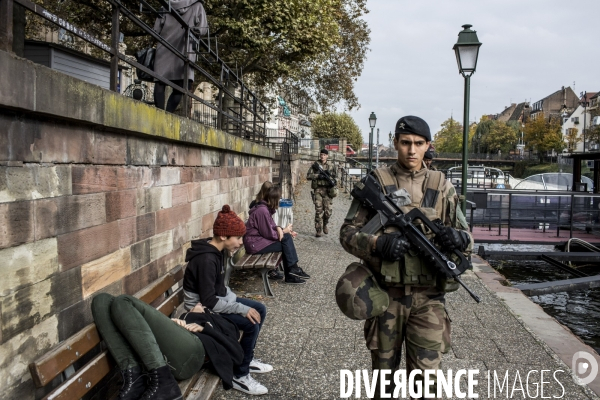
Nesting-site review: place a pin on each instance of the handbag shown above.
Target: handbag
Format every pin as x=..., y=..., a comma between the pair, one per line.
x=146, y=58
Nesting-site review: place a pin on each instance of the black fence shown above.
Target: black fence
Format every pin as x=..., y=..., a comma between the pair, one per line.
x=289, y=138
x=235, y=110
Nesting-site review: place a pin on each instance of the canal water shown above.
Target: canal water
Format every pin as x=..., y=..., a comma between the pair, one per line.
x=578, y=310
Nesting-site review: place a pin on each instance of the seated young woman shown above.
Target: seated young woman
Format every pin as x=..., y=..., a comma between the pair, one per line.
x=142, y=340
x=264, y=236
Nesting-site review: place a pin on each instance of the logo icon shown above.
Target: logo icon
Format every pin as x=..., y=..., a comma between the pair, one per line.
x=401, y=125
x=585, y=366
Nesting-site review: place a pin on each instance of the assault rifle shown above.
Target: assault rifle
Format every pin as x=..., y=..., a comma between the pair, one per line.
x=325, y=174
x=369, y=193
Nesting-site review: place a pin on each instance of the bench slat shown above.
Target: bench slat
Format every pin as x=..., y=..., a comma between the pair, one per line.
x=273, y=261
x=51, y=364
x=251, y=261
x=204, y=387
x=171, y=303
x=242, y=261
x=84, y=379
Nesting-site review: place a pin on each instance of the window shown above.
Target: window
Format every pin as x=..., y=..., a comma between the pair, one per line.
x=575, y=120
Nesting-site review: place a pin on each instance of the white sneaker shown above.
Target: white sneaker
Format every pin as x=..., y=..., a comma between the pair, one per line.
x=258, y=367
x=247, y=384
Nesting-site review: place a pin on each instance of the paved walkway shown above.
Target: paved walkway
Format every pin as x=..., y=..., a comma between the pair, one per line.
x=308, y=340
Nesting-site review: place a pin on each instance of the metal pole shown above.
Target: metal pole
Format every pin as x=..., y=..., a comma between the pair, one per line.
x=114, y=61
x=371, y=150
x=584, y=115
x=377, y=160
x=465, y=145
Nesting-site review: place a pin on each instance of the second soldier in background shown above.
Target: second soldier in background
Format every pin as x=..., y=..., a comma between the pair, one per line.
x=323, y=193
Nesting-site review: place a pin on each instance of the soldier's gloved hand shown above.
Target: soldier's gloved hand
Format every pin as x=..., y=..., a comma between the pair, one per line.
x=450, y=239
x=392, y=246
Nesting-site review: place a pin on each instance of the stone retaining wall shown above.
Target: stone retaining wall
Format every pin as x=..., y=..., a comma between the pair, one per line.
x=98, y=193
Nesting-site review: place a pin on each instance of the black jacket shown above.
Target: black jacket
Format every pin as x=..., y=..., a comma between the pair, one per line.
x=220, y=341
x=205, y=273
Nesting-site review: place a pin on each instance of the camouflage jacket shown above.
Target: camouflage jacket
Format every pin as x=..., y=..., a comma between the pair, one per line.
x=362, y=245
x=313, y=175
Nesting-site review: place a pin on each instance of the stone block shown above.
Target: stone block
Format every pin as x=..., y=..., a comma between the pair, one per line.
x=65, y=214
x=223, y=186
x=34, y=141
x=19, y=351
x=169, y=218
x=109, y=148
x=78, y=99
x=194, y=191
x=145, y=226
x=224, y=172
x=210, y=157
x=34, y=182
x=142, y=151
x=170, y=261
x=209, y=188
x=202, y=207
x=206, y=174
x=207, y=222
x=245, y=181
x=220, y=201
x=160, y=245
x=29, y=306
x=79, y=247
x=195, y=229
x=99, y=273
x=16, y=223
x=140, y=254
x=129, y=177
x=179, y=194
x=187, y=175
x=140, y=278
x=121, y=204
x=181, y=235
x=14, y=93
x=127, y=231
x=94, y=179
x=27, y=264
x=153, y=199
x=169, y=176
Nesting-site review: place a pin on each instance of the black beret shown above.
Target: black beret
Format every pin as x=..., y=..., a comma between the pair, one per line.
x=414, y=125
x=324, y=151
x=428, y=155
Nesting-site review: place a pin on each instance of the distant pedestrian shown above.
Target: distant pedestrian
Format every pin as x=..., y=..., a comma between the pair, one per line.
x=323, y=193
x=166, y=63
x=428, y=160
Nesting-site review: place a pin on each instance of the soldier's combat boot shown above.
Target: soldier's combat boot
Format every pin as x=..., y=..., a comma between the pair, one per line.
x=325, y=230
x=318, y=227
x=319, y=234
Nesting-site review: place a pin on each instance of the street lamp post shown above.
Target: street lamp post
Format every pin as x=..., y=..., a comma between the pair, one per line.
x=372, y=121
x=584, y=94
x=377, y=150
x=467, y=51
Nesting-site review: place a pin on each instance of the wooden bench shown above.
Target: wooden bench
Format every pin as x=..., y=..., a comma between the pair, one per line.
x=263, y=262
x=66, y=362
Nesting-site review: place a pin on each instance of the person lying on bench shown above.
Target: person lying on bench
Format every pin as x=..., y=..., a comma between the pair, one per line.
x=203, y=282
x=139, y=337
x=264, y=236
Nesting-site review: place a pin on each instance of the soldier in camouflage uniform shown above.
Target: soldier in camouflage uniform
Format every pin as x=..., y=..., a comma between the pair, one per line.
x=416, y=313
x=322, y=193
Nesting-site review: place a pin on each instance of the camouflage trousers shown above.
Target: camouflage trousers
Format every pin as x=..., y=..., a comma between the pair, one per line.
x=322, y=203
x=417, y=318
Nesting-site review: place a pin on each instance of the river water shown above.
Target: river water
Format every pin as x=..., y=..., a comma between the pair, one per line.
x=578, y=310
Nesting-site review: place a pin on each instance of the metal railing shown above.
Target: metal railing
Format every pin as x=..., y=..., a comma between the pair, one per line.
x=505, y=210
x=236, y=110
x=289, y=138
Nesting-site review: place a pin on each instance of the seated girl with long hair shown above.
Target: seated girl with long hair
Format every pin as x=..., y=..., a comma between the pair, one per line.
x=264, y=236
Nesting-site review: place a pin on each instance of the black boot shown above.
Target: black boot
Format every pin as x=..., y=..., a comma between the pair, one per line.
x=162, y=385
x=134, y=384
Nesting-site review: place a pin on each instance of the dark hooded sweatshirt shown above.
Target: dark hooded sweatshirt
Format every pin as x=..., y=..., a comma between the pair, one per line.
x=204, y=280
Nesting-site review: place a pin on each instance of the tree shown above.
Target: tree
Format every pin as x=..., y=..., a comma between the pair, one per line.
x=593, y=132
x=449, y=139
x=544, y=135
x=501, y=137
x=572, y=139
x=318, y=46
x=337, y=125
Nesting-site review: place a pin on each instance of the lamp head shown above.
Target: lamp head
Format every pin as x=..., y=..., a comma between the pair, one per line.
x=467, y=50
x=372, y=120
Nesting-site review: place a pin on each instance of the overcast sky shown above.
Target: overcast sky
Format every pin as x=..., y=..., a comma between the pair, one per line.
x=531, y=48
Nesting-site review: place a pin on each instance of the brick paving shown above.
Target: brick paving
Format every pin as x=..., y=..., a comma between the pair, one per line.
x=308, y=340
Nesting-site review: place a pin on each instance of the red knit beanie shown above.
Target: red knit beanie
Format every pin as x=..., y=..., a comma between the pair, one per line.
x=228, y=223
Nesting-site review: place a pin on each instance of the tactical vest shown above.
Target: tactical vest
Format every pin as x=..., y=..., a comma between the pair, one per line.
x=414, y=270
x=316, y=183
